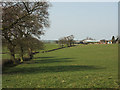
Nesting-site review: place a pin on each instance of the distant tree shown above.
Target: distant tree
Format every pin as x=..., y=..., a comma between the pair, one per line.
x=71, y=40
x=61, y=42
x=89, y=38
x=56, y=41
x=113, y=39
x=68, y=41
x=119, y=39
x=116, y=40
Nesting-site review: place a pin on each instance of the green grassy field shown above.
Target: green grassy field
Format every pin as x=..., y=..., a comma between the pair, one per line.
x=82, y=66
x=47, y=47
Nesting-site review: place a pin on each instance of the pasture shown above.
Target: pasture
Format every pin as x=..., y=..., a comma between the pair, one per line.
x=81, y=66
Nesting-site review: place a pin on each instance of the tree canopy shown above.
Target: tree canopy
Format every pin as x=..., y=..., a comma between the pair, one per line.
x=23, y=19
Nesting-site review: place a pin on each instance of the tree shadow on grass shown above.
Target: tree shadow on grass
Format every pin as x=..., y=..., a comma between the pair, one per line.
x=51, y=69
x=43, y=60
x=42, y=57
x=34, y=66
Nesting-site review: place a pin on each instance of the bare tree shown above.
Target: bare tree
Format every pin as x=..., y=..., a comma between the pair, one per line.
x=21, y=19
x=61, y=42
x=69, y=41
x=113, y=40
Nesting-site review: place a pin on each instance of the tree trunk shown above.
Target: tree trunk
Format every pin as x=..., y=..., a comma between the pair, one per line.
x=11, y=48
x=70, y=44
x=30, y=53
x=67, y=44
x=21, y=54
x=13, y=55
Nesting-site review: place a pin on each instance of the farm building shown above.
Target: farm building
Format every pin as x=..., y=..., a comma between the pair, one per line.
x=105, y=41
x=91, y=41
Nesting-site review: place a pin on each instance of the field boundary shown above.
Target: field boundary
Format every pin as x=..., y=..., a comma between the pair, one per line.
x=55, y=49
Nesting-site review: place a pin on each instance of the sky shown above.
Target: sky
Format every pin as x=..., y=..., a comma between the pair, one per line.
x=98, y=20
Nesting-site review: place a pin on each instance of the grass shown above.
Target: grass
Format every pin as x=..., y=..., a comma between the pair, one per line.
x=82, y=66
x=6, y=53
x=51, y=46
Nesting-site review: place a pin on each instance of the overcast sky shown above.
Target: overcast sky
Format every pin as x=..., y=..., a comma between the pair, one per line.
x=98, y=20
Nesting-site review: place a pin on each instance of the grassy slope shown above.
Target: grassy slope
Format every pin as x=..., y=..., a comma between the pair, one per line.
x=51, y=46
x=76, y=67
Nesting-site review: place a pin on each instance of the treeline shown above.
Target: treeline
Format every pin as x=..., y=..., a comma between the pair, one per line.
x=22, y=25
x=66, y=41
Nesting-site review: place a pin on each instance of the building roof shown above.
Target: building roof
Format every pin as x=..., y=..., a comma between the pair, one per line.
x=91, y=41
